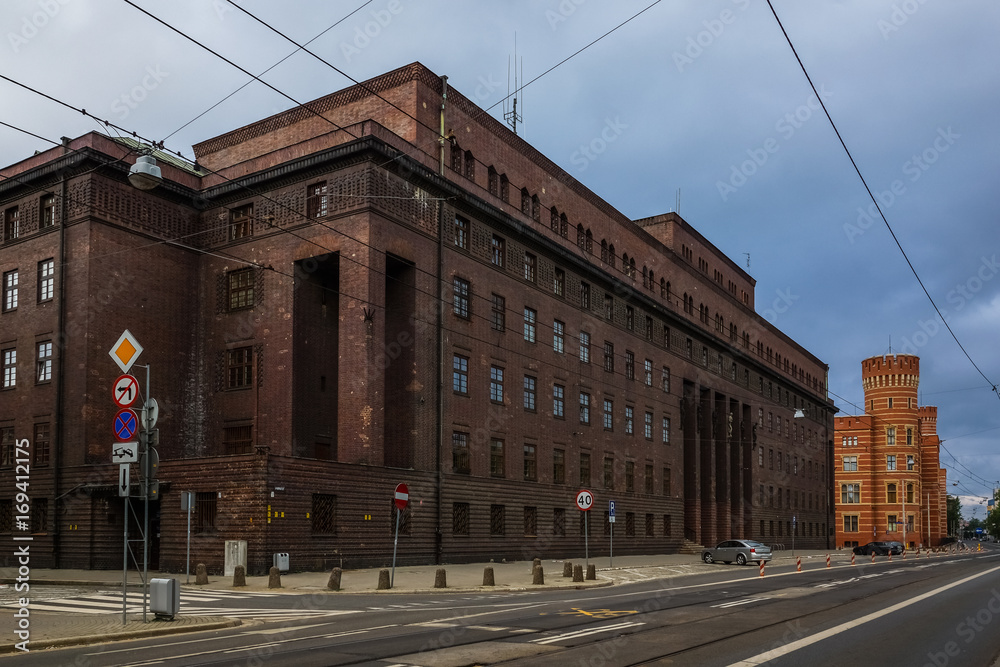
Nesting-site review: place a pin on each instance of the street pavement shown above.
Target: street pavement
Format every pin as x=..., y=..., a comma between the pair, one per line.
x=53, y=628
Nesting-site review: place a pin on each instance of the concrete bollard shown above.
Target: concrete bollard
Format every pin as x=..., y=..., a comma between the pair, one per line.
x=440, y=580
x=567, y=569
x=488, y=577
x=333, y=583
x=537, y=575
x=591, y=572
x=383, y=580
x=239, y=576
x=201, y=574
x=274, y=577
x=536, y=563
x=578, y=573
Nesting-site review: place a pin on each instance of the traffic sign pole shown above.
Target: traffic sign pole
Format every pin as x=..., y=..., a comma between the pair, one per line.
x=401, y=499
x=611, y=520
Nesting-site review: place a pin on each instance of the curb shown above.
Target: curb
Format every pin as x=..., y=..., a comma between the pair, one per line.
x=83, y=640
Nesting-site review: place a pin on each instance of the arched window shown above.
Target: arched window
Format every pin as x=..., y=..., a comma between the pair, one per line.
x=456, y=157
x=652, y=281
x=645, y=277
x=604, y=250
x=590, y=243
x=611, y=255
x=631, y=268
x=663, y=288
x=493, y=181
x=470, y=166
x=536, y=209
x=581, y=237
x=504, y=188
x=563, y=226
x=554, y=220
x=525, y=202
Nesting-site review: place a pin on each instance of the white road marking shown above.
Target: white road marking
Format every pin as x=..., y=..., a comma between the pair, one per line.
x=584, y=633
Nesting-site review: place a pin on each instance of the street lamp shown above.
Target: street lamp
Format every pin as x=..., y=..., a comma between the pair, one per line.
x=144, y=174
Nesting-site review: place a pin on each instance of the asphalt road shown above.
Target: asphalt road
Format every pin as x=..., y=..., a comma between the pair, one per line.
x=939, y=612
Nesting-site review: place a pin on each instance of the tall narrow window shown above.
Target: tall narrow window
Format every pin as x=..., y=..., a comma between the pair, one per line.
x=240, y=289
x=609, y=307
x=316, y=200
x=324, y=514
x=530, y=463
x=666, y=430
x=890, y=436
x=559, y=466
x=11, y=224
x=665, y=379
x=497, y=468
x=584, y=468
x=648, y=372
x=530, y=317
x=559, y=282
x=460, y=297
x=9, y=368
x=609, y=356
x=460, y=452
x=41, y=444
x=470, y=166
x=630, y=318
x=496, y=384
x=47, y=211
x=530, y=267
x=499, y=251
x=629, y=419
x=609, y=472
x=585, y=347
x=493, y=181
x=239, y=367
x=460, y=374
x=241, y=222
x=558, y=336
x=585, y=296
x=498, y=315
x=46, y=279
x=648, y=426
x=461, y=233
x=529, y=393
x=609, y=421
x=204, y=512
x=558, y=401
x=629, y=365
x=44, y=362
x=584, y=408
x=10, y=285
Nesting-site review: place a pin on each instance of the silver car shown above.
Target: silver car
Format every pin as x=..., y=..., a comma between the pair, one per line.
x=741, y=551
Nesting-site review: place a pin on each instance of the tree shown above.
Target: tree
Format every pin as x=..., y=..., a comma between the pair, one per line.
x=992, y=522
x=954, y=515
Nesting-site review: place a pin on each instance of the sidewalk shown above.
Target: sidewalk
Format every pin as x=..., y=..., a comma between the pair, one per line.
x=50, y=629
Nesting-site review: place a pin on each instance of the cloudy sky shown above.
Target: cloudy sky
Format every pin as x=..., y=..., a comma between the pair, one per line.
x=698, y=101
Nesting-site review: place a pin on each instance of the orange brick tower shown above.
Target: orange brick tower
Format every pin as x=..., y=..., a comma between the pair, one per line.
x=888, y=479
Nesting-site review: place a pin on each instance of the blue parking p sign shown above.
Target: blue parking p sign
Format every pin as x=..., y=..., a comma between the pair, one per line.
x=611, y=508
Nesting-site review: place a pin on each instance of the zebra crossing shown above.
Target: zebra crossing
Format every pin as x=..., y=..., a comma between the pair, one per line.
x=193, y=603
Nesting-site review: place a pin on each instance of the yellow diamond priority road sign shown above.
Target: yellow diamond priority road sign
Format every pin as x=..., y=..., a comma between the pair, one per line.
x=126, y=351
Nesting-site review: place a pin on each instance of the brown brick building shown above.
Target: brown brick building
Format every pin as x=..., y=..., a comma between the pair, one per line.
x=888, y=476
x=391, y=287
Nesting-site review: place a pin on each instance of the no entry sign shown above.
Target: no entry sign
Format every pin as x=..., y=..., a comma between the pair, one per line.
x=402, y=496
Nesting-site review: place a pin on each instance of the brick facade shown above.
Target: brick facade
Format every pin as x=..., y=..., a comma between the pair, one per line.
x=888, y=461
x=330, y=306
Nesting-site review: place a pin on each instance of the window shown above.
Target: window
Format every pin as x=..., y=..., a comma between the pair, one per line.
x=46, y=279
x=585, y=296
x=498, y=316
x=890, y=462
x=629, y=412
x=630, y=476
x=559, y=521
x=7, y=447
x=909, y=497
x=11, y=224
x=240, y=289
x=499, y=251
x=456, y=157
x=584, y=408
x=850, y=493
x=559, y=282
x=460, y=374
x=558, y=400
x=890, y=403
x=629, y=365
x=316, y=200
x=470, y=166
x=630, y=318
x=558, y=339
x=44, y=362
x=529, y=324
x=890, y=436
x=530, y=521
x=204, y=512
x=460, y=452
x=585, y=347
x=496, y=458
x=460, y=518
x=666, y=430
x=609, y=307
x=665, y=379
x=559, y=466
x=530, y=267
x=909, y=437
x=460, y=297
x=608, y=418
x=529, y=393
x=10, y=281
x=536, y=209
x=324, y=513
x=647, y=429
x=498, y=519
x=649, y=328
x=909, y=461
x=609, y=472
x=530, y=463
x=239, y=367
x=891, y=520
x=237, y=439
x=41, y=443
x=650, y=482
x=648, y=372
x=461, y=233
x=666, y=525
x=47, y=211
x=241, y=222
x=496, y=384
x=584, y=468
x=39, y=515
x=9, y=368
x=850, y=464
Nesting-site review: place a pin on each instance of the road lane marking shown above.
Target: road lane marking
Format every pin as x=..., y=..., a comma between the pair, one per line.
x=584, y=633
x=762, y=658
x=736, y=603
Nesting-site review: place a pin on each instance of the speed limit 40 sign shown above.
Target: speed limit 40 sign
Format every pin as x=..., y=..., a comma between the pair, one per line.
x=584, y=500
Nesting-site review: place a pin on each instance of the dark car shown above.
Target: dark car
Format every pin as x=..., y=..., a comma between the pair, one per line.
x=879, y=549
x=741, y=551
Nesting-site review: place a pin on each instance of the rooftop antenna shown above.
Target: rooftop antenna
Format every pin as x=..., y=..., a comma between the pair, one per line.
x=748, y=259
x=677, y=202
x=511, y=116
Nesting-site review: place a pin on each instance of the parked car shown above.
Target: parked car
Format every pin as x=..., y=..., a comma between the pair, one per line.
x=740, y=551
x=879, y=549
